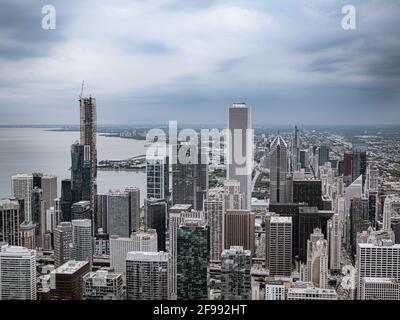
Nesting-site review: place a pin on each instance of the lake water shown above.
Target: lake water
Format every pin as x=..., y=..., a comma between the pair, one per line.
x=27, y=150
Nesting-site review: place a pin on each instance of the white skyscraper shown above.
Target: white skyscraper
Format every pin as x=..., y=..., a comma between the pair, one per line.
x=82, y=244
x=17, y=273
x=21, y=186
x=377, y=259
x=139, y=241
x=240, y=148
x=147, y=276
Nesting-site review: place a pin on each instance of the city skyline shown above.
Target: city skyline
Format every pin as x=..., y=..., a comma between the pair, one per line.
x=291, y=66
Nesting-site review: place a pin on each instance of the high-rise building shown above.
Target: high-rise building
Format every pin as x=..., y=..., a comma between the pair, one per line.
x=77, y=151
x=157, y=171
x=103, y=285
x=155, y=217
x=147, y=276
x=120, y=212
x=380, y=289
x=278, y=235
x=192, y=260
x=62, y=243
x=240, y=148
x=358, y=220
x=316, y=270
x=235, y=274
x=138, y=241
x=82, y=244
x=9, y=221
x=189, y=179
x=27, y=235
x=81, y=210
x=239, y=229
x=359, y=162
x=334, y=236
x=38, y=216
x=323, y=154
x=279, y=167
x=177, y=214
x=214, y=213
x=391, y=203
x=21, y=186
x=234, y=199
x=66, y=199
x=49, y=189
x=17, y=273
x=295, y=159
x=66, y=282
x=88, y=130
x=307, y=191
x=377, y=259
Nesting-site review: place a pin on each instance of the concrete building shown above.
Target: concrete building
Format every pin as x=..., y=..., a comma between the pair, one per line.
x=239, y=229
x=311, y=293
x=214, y=213
x=82, y=244
x=380, y=289
x=21, y=187
x=62, y=243
x=9, y=221
x=334, y=242
x=316, y=271
x=17, y=273
x=103, y=285
x=147, y=276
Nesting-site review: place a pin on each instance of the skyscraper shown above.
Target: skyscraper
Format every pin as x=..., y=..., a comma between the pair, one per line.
x=214, y=211
x=359, y=162
x=66, y=200
x=296, y=161
x=278, y=235
x=235, y=274
x=21, y=186
x=147, y=276
x=49, y=189
x=62, y=243
x=77, y=151
x=17, y=273
x=9, y=221
x=103, y=285
x=157, y=171
x=239, y=229
x=240, y=148
x=38, y=213
x=358, y=220
x=323, y=154
x=82, y=240
x=335, y=242
x=155, y=217
x=192, y=260
x=234, y=199
x=279, y=165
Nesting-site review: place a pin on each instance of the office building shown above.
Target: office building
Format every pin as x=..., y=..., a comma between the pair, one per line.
x=66, y=200
x=235, y=274
x=17, y=273
x=279, y=168
x=147, y=276
x=192, y=260
x=380, y=289
x=214, y=213
x=62, y=243
x=155, y=217
x=66, y=282
x=9, y=221
x=49, y=189
x=103, y=285
x=323, y=155
x=278, y=235
x=138, y=241
x=316, y=270
x=334, y=235
x=239, y=229
x=82, y=244
x=359, y=162
x=27, y=235
x=157, y=172
x=307, y=191
x=358, y=220
x=21, y=186
x=240, y=148
x=234, y=199
x=311, y=293
x=81, y=210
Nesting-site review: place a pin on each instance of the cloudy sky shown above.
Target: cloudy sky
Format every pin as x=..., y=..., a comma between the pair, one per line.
x=158, y=60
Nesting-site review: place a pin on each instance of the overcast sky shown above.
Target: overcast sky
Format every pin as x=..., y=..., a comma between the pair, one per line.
x=158, y=60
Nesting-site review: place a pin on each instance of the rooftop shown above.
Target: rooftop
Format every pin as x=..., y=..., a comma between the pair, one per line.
x=70, y=267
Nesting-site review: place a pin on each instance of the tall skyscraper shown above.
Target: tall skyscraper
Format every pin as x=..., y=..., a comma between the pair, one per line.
x=49, y=188
x=240, y=148
x=296, y=160
x=279, y=165
x=235, y=274
x=239, y=229
x=359, y=162
x=9, y=221
x=77, y=151
x=323, y=154
x=214, y=210
x=147, y=276
x=316, y=270
x=377, y=259
x=335, y=242
x=177, y=215
x=138, y=241
x=190, y=179
x=192, y=260
x=27, y=235
x=234, y=199
x=17, y=273
x=358, y=220
x=21, y=186
x=82, y=240
x=103, y=285
x=66, y=199
x=88, y=123
x=38, y=214
x=157, y=171
x=62, y=243
x=155, y=217
x=278, y=235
